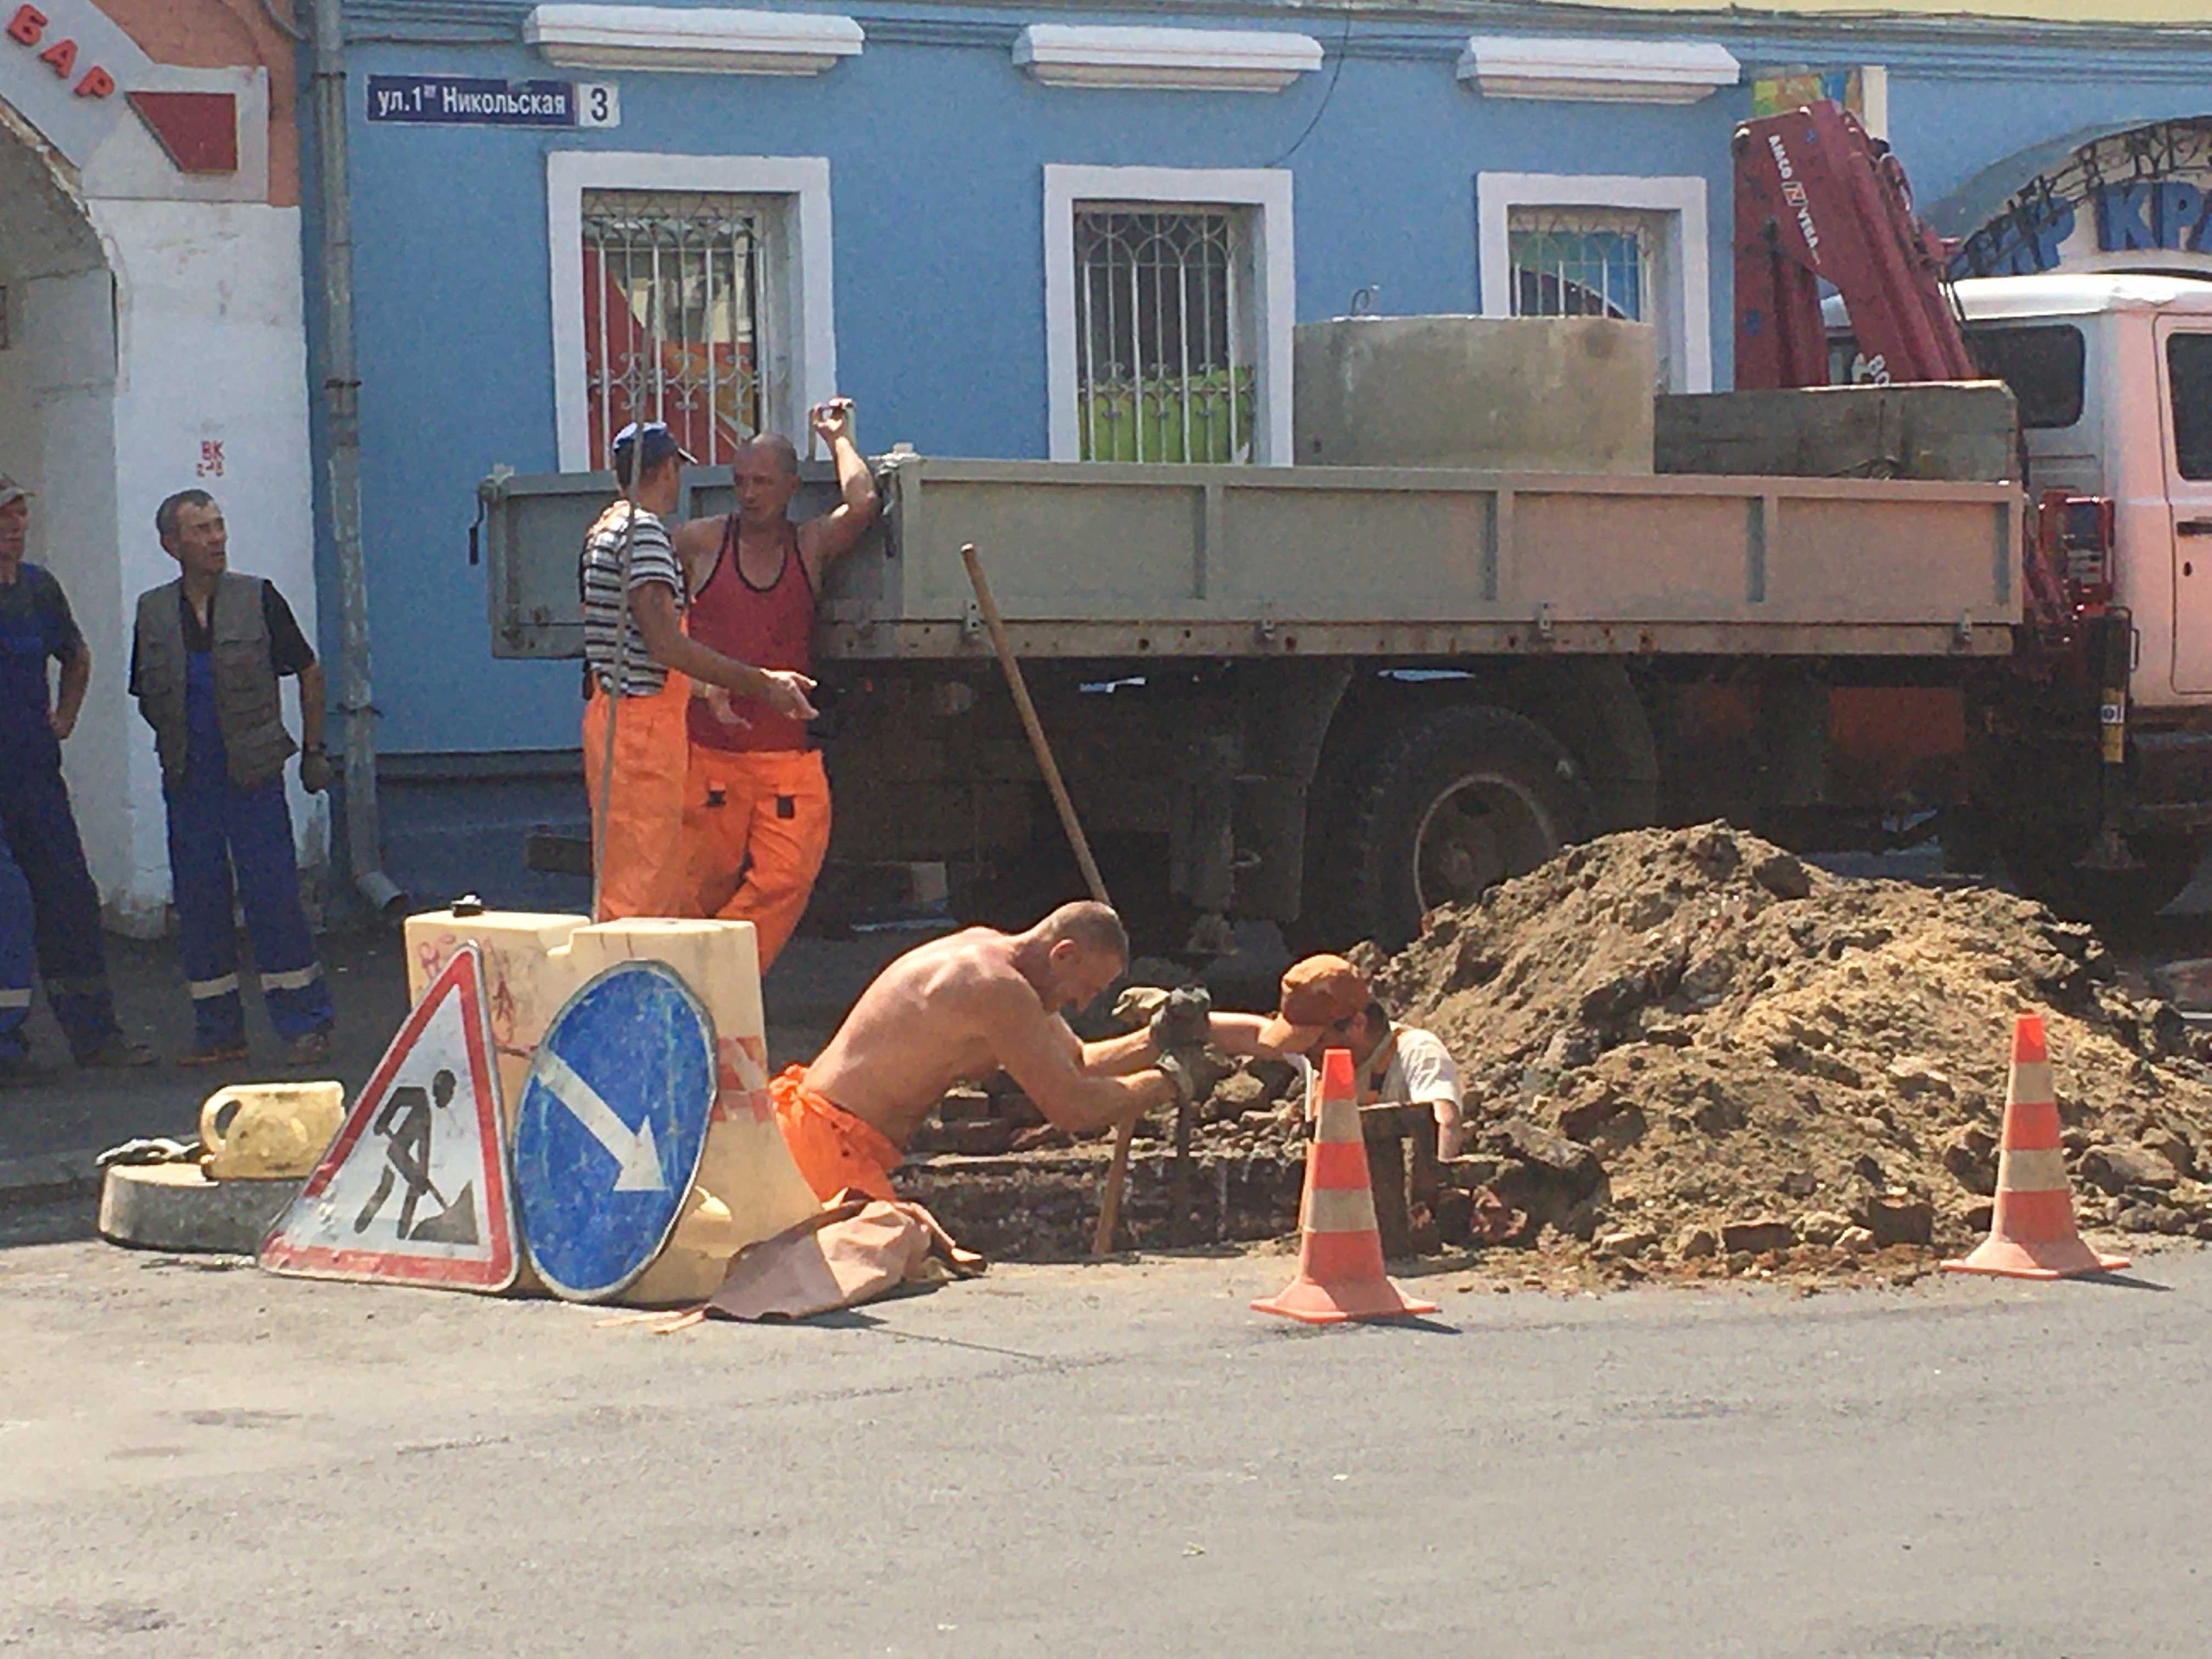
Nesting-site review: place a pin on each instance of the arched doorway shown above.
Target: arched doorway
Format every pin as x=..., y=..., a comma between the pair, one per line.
x=2137, y=198
x=57, y=435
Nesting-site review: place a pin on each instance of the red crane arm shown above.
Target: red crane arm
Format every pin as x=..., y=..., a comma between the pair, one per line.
x=1817, y=198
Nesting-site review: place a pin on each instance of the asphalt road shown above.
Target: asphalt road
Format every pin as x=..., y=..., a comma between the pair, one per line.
x=1117, y=1459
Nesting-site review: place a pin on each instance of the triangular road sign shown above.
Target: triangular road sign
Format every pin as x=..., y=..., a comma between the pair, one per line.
x=414, y=1190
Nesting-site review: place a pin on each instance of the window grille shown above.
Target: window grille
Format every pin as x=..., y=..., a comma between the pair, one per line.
x=1571, y=264
x=675, y=321
x=1164, y=360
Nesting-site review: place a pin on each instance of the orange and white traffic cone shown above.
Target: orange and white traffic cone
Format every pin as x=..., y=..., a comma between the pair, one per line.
x=1340, y=1251
x=2032, y=1235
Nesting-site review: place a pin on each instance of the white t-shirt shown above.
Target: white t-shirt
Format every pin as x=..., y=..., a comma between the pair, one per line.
x=1422, y=1072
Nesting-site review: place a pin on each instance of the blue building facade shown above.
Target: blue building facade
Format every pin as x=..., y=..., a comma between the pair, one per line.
x=999, y=228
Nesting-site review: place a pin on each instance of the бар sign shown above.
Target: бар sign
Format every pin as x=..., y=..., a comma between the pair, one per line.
x=469, y=101
x=65, y=66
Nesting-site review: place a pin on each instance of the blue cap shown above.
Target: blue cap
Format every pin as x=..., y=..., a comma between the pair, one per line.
x=658, y=444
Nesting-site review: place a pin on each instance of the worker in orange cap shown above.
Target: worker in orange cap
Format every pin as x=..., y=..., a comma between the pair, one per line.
x=756, y=814
x=638, y=669
x=1327, y=1003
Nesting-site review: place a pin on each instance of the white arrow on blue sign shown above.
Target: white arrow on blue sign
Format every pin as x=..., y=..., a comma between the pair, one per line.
x=612, y=1122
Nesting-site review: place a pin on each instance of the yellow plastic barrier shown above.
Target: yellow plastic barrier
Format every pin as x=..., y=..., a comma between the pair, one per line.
x=747, y=1188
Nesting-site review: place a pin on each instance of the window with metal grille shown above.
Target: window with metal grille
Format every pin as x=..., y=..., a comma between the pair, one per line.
x=675, y=320
x=1164, y=358
x=1582, y=261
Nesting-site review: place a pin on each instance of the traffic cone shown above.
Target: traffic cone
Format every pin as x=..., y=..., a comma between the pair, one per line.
x=1340, y=1251
x=2031, y=1234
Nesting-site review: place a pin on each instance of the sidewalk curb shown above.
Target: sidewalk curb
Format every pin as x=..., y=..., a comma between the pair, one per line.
x=52, y=1174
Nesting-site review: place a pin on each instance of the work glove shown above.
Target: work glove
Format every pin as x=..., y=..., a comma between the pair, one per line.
x=1135, y=1005
x=1177, y=1071
x=1183, y=1019
x=314, y=770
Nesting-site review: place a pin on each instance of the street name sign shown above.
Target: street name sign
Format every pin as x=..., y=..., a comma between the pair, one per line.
x=472, y=101
x=611, y=1126
x=414, y=1190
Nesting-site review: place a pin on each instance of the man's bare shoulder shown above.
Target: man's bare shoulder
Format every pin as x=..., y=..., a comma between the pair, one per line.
x=698, y=536
x=974, y=964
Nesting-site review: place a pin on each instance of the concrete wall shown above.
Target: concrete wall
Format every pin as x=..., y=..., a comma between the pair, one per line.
x=212, y=353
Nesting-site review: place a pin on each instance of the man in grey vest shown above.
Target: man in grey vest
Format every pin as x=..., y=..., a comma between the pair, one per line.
x=210, y=649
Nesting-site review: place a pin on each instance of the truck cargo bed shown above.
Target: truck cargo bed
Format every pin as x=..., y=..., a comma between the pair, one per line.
x=1111, y=560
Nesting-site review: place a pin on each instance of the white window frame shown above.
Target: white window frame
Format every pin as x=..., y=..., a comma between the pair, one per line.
x=1683, y=306
x=803, y=288
x=1267, y=192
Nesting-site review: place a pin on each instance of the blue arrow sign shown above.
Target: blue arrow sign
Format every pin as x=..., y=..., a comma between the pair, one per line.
x=612, y=1122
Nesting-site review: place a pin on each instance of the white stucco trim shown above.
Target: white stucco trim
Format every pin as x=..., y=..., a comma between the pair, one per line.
x=1685, y=301
x=1190, y=59
x=1611, y=71
x=804, y=180
x=1265, y=191
x=706, y=40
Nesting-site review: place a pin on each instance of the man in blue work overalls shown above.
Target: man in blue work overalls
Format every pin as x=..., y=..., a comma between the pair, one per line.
x=50, y=910
x=210, y=651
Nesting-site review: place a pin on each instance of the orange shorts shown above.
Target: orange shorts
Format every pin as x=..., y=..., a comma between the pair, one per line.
x=833, y=1149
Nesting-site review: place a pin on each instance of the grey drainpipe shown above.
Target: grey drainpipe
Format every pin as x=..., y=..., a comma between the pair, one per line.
x=342, y=466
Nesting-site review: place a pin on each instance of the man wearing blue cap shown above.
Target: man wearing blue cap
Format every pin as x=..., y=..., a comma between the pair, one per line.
x=50, y=910
x=639, y=667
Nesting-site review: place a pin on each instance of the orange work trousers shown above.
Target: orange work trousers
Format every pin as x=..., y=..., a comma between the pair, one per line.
x=834, y=1150
x=637, y=836
x=757, y=825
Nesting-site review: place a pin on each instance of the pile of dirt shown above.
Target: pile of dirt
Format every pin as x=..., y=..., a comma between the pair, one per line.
x=1685, y=1050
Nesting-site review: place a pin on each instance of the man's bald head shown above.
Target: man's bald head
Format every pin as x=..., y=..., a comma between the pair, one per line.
x=1088, y=924
x=774, y=446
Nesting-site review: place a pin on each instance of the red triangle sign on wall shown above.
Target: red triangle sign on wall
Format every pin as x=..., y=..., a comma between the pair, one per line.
x=414, y=1190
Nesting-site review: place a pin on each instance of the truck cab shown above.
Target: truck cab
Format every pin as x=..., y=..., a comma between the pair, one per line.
x=2113, y=374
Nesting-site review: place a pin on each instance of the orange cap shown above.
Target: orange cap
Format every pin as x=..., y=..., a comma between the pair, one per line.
x=1317, y=993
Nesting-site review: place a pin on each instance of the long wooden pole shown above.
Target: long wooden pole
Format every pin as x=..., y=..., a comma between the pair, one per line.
x=1109, y=1206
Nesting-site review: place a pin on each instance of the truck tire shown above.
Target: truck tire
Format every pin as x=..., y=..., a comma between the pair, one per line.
x=1456, y=800
x=2045, y=870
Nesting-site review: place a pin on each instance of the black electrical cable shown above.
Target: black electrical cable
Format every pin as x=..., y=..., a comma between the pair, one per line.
x=1328, y=92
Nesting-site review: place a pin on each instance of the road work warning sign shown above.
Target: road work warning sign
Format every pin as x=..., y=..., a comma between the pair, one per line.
x=414, y=1191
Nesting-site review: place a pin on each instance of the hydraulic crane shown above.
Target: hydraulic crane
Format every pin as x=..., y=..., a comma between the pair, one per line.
x=1818, y=200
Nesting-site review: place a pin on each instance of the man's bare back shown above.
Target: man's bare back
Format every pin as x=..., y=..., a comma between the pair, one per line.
x=958, y=1008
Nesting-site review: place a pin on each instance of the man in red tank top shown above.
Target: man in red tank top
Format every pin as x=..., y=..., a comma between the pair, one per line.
x=756, y=818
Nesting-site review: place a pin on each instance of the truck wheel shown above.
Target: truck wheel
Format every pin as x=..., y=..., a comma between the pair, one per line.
x=1458, y=800
x=2044, y=871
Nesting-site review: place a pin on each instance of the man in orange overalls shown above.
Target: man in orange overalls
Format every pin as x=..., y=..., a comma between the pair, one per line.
x=756, y=815
x=639, y=669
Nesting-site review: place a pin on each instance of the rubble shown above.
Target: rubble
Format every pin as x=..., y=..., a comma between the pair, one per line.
x=1686, y=1053
x=1755, y=1060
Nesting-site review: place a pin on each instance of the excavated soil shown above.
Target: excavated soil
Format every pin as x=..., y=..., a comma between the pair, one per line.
x=1685, y=1050
x=1686, y=1054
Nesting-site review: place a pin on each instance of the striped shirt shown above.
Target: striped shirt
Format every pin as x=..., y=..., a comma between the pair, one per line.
x=652, y=559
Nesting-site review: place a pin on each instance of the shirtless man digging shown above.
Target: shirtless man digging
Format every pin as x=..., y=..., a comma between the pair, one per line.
x=955, y=1010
